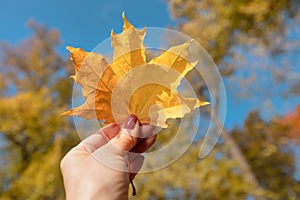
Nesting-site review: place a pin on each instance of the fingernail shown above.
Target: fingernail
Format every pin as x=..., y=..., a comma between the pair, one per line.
x=130, y=121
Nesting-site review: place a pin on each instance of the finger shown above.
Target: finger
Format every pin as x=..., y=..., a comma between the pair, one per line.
x=101, y=137
x=111, y=130
x=114, y=153
x=144, y=144
x=126, y=139
x=135, y=165
x=146, y=131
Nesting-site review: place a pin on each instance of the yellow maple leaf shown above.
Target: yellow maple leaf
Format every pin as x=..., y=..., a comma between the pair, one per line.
x=130, y=85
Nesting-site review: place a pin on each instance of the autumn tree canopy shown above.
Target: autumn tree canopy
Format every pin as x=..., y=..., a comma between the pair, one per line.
x=34, y=92
x=33, y=139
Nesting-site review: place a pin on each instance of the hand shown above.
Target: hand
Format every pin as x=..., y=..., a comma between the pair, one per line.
x=101, y=166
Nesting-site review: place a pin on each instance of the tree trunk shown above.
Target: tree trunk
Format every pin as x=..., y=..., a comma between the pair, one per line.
x=237, y=154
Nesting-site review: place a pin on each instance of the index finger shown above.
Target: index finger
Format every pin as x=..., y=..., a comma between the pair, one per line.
x=101, y=137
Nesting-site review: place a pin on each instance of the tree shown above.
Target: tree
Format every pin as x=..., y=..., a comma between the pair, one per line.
x=34, y=92
x=33, y=139
x=227, y=30
x=266, y=148
x=270, y=154
x=221, y=25
x=291, y=120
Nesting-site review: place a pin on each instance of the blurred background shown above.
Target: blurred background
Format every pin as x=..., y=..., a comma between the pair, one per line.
x=255, y=44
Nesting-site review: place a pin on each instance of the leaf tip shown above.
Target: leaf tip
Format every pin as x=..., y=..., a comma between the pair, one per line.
x=202, y=103
x=112, y=33
x=127, y=25
x=69, y=48
x=68, y=112
x=188, y=43
x=73, y=77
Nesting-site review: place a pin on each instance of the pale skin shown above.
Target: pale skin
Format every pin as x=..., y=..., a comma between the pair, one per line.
x=91, y=169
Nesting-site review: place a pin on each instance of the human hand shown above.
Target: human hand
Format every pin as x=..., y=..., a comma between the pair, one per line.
x=101, y=166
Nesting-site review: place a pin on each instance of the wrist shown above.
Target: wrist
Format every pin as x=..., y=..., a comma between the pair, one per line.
x=88, y=190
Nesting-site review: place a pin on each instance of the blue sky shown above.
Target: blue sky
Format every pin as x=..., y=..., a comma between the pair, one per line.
x=80, y=24
x=86, y=23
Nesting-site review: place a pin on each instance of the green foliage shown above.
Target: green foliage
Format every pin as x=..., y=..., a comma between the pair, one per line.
x=221, y=25
x=227, y=29
x=41, y=179
x=191, y=178
x=33, y=138
x=218, y=176
x=270, y=155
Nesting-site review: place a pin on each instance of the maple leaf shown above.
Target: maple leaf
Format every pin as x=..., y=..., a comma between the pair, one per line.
x=130, y=85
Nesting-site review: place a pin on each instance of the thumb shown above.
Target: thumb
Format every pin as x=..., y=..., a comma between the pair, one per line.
x=127, y=137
